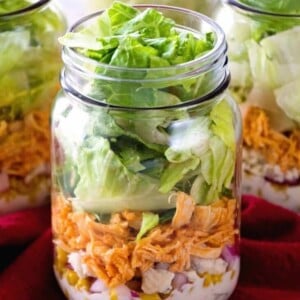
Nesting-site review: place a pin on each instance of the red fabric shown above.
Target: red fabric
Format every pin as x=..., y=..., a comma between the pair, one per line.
x=270, y=250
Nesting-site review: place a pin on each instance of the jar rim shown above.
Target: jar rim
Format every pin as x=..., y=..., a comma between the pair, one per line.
x=219, y=47
x=251, y=9
x=26, y=9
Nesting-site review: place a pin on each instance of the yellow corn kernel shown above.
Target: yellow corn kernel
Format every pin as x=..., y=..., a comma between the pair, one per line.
x=71, y=277
x=83, y=283
x=150, y=297
x=113, y=295
x=61, y=255
x=207, y=280
x=216, y=278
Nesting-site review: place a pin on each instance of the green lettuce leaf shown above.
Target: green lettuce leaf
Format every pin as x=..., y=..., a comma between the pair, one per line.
x=149, y=221
x=188, y=138
x=217, y=170
x=288, y=99
x=223, y=122
x=30, y=60
x=106, y=185
x=175, y=172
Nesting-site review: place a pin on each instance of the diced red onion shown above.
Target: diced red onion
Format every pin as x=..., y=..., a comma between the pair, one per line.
x=229, y=254
x=134, y=294
x=179, y=280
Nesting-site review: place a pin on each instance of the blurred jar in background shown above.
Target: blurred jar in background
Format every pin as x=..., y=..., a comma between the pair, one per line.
x=207, y=7
x=264, y=60
x=75, y=9
x=29, y=79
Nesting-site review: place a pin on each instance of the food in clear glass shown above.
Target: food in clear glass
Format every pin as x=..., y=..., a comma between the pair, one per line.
x=146, y=148
x=264, y=44
x=29, y=78
x=208, y=7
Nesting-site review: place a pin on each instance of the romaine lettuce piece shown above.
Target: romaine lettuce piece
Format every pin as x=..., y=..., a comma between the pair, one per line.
x=283, y=47
x=106, y=185
x=288, y=98
x=149, y=221
x=240, y=74
x=13, y=47
x=274, y=61
x=217, y=170
x=223, y=122
x=175, y=172
x=188, y=138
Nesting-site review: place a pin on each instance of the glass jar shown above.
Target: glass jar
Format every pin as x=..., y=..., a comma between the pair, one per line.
x=264, y=43
x=207, y=7
x=77, y=8
x=146, y=180
x=29, y=79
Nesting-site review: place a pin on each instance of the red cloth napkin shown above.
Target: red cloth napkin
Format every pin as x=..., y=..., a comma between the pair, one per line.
x=270, y=250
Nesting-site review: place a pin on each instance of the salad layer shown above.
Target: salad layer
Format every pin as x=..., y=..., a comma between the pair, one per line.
x=115, y=252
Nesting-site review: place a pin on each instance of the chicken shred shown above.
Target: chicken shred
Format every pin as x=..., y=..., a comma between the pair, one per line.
x=276, y=148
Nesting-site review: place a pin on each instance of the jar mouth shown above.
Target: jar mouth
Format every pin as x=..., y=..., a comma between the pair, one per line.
x=211, y=56
x=26, y=9
x=252, y=9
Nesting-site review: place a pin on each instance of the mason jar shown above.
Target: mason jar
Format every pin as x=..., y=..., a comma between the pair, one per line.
x=146, y=171
x=207, y=7
x=29, y=78
x=264, y=42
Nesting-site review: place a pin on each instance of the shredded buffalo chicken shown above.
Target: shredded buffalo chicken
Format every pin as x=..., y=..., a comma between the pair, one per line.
x=24, y=144
x=277, y=148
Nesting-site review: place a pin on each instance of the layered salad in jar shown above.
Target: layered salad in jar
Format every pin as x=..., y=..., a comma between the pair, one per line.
x=29, y=69
x=264, y=43
x=145, y=202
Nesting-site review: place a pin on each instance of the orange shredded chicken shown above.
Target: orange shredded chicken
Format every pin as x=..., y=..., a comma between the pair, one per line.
x=113, y=254
x=185, y=208
x=24, y=145
x=275, y=147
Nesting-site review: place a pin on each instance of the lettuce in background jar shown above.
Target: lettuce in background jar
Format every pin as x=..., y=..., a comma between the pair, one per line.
x=264, y=44
x=75, y=9
x=207, y=7
x=29, y=79
x=146, y=158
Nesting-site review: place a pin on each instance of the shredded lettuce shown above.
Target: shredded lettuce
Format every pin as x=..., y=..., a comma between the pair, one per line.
x=264, y=52
x=29, y=58
x=125, y=37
